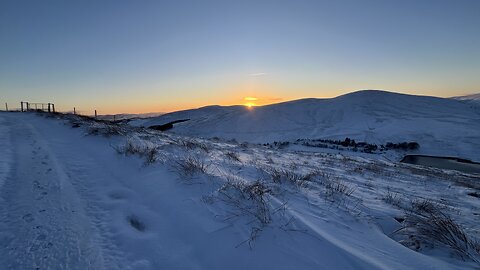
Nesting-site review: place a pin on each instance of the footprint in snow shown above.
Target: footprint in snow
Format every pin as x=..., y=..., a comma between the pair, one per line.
x=34, y=247
x=37, y=185
x=42, y=195
x=117, y=195
x=136, y=223
x=28, y=218
x=41, y=237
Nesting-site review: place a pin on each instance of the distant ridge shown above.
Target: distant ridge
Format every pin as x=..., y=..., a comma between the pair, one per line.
x=124, y=116
x=473, y=97
x=441, y=125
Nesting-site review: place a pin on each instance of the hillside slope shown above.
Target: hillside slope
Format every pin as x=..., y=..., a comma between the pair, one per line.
x=143, y=199
x=441, y=126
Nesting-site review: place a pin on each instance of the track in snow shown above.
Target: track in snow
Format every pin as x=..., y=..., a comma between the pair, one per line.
x=44, y=224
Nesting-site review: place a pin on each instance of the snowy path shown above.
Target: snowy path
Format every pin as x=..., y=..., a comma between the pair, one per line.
x=45, y=224
x=70, y=202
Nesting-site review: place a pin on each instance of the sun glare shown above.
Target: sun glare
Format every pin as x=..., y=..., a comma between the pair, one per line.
x=249, y=101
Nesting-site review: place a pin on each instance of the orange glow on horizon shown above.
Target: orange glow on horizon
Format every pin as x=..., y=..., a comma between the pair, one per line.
x=246, y=95
x=243, y=96
x=178, y=105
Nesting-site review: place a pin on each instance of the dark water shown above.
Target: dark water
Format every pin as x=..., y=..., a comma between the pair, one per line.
x=449, y=163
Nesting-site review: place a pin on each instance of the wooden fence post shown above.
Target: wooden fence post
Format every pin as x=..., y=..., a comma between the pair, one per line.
x=74, y=111
x=6, y=106
x=21, y=106
x=95, y=113
x=53, y=107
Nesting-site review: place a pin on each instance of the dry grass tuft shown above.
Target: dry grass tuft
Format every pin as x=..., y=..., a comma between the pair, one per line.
x=191, y=165
x=426, y=224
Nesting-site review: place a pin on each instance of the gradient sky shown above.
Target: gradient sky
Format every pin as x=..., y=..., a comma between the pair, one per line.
x=154, y=56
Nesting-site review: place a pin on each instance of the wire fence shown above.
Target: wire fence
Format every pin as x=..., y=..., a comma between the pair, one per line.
x=34, y=106
x=47, y=107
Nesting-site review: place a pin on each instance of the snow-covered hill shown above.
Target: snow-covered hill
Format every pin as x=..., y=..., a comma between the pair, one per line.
x=442, y=126
x=143, y=199
x=474, y=97
x=471, y=100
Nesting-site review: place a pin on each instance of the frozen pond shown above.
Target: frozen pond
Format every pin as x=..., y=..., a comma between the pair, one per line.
x=450, y=163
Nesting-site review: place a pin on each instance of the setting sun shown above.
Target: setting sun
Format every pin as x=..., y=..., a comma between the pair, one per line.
x=250, y=102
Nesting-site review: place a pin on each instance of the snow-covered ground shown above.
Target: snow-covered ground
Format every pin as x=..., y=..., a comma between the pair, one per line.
x=441, y=126
x=142, y=199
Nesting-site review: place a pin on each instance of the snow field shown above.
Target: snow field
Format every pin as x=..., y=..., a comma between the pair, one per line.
x=150, y=200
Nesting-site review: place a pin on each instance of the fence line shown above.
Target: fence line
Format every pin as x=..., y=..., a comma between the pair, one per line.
x=26, y=106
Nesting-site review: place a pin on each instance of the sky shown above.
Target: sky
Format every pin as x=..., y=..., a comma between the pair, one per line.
x=157, y=56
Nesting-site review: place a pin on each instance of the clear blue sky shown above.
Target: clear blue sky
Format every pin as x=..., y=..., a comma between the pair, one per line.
x=139, y=56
